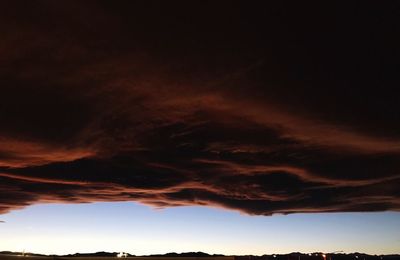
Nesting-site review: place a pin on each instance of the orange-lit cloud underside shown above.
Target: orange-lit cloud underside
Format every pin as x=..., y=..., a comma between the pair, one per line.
x=114, y=107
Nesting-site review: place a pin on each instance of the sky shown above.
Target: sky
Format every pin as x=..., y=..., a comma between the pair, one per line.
x=255, y=109
x=141, y=230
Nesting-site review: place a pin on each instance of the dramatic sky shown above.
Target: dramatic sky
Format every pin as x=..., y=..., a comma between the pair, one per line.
x=259, y=108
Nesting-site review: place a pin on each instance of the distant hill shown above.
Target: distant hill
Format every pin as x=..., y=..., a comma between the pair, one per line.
x=291, y=256
x=97, y=254
x=10, y=253
x=188, y=254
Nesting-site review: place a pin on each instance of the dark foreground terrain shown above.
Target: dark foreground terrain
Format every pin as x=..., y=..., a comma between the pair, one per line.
x=198, y=256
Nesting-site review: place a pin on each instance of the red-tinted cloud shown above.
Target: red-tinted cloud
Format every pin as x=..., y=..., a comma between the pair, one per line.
x=236, y=106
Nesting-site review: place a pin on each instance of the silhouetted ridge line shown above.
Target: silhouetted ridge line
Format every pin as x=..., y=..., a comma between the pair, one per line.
x=292, y=256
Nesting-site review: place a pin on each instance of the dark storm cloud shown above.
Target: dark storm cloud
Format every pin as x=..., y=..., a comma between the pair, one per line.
x=261, y=108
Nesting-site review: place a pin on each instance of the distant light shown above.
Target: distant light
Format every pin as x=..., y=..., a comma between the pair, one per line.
x=122, y=254
x=324, y=256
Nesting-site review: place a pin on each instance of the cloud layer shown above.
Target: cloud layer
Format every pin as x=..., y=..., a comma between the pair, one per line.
x=261, y=109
